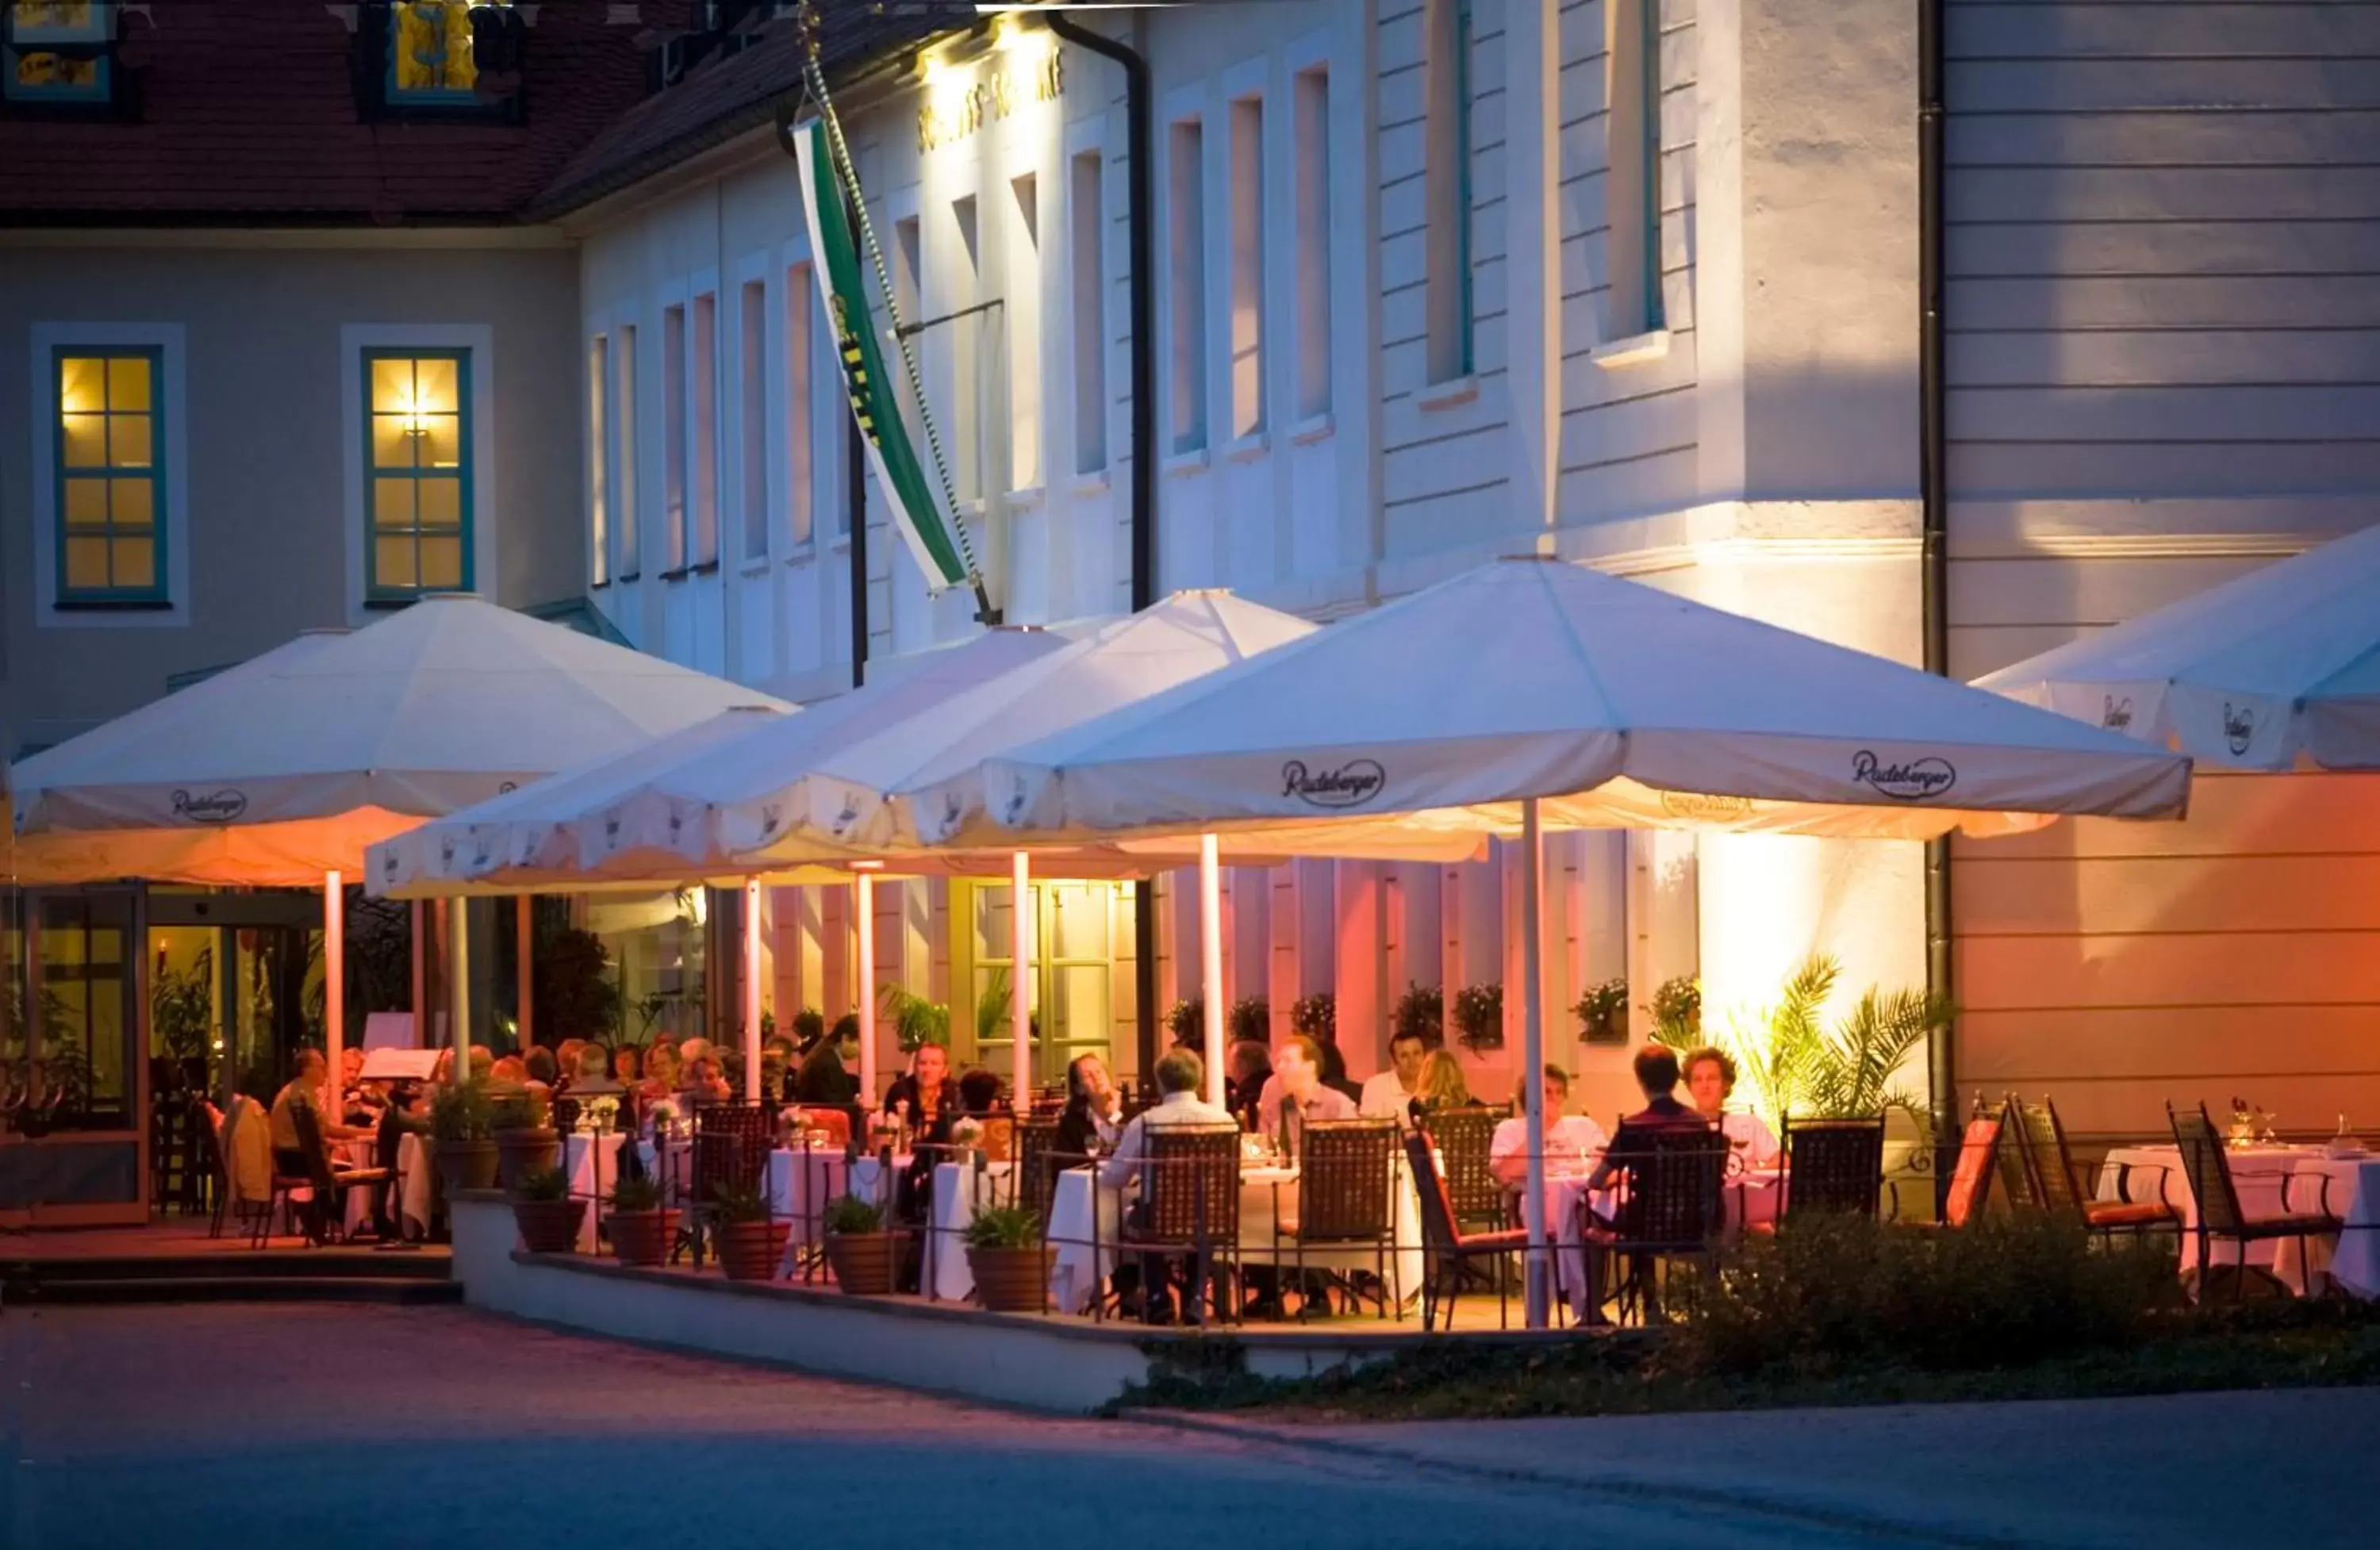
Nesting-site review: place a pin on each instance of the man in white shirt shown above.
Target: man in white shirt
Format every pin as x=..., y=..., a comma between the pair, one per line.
x=1179, y=1074
x=1387, y=1094
x=1574, y=1142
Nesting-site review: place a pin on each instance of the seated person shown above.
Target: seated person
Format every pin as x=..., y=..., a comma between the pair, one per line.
x=823, y=1077
x=1179, y=1077
x=1296, y=1095
x=539, y=1064
x=305, y=1090
x=703, y=1081
x=1657, y=1075
x=1386, y=1096
x=661, y=1076
x=484, y=1061
x=1710, y=1078
x=565, y=1055
x=360, y=1101
x=981, y=1092
x=1247, y=1074
x=926, y=1099
x=1442, y=1084
x=1088, y=1125
x=1574, y=1142
x=510, y=1071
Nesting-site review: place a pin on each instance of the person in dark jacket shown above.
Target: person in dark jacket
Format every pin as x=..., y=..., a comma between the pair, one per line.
x=823, y=1078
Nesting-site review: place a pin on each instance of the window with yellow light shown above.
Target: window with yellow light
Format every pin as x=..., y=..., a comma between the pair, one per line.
x=417, y=457
x=429, y=51
x=71, y=68
x=110, y=476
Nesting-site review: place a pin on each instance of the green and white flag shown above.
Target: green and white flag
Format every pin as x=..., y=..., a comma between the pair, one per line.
x=874, y=395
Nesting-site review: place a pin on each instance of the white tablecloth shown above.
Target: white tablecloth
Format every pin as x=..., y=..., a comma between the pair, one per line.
x=2271, y=1181
x=1752, y=1197
x=414, y=1182
x=593, y=1163
x=960, y=1190
x=803, y=1183
x=1074, y=1276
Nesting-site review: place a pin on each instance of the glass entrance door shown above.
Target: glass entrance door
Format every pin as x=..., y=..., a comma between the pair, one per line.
x=1072, y=993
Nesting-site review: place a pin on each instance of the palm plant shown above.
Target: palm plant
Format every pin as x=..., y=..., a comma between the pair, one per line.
x=917, y=1021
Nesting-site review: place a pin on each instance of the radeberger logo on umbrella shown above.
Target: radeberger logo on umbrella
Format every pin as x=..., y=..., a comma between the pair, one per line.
x=2118, y=714
x=1918, y=780
x=2239, y=726
x=1349, y=785
x=213, y=806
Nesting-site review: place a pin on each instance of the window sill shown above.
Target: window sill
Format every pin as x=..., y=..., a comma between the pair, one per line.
x=603, y=586
x=113, y=605
x=1092, y=484
x=1634, y=350
x=838, y=544
x=678, y=574
x=971, y=510
x=387, y=604
x=1030, y=498
x=1182, y=465
x=754, y=567
x=1446, y=395
x=625, y=578
x=1248, y=448
x=709, y=567
x=802, y=553
x=1313, y=429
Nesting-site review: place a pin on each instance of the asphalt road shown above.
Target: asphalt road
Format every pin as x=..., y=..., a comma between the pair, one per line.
x=260, y=1427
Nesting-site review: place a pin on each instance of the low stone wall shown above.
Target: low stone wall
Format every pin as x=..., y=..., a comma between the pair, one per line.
x=1041, y=1363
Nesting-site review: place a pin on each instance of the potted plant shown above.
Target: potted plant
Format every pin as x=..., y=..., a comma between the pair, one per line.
x=751, y=1243
x=1185, y=1021
x=1677, y=1009
x=1479, y=1017
x=1250, y=1021
x=1316, y=1016
x=548, y=1217
x=574, y=995
x=863, y=1254
x=525, y=1141
x=1602, y=1013
x=917, y=1021
x=641, y=1232
x=1420, y=1013
x=462, y=1123
x=1010, y=1260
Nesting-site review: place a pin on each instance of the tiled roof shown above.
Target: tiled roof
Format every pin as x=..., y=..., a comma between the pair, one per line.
x=722, y=97
x=248, y=113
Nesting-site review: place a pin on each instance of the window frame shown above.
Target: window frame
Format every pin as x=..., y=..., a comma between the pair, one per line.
x=107, y=98
x=480, y=426
x=169, y=455
x=467, y=471
x=383, y=100
x=157, y=594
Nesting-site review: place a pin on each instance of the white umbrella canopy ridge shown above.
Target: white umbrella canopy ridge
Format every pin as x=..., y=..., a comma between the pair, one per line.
x=1613, y=703
x=2271, y=670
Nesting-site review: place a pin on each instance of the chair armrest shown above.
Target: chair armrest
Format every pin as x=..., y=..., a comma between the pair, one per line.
x=2290, y=1177
x=1893, y=1214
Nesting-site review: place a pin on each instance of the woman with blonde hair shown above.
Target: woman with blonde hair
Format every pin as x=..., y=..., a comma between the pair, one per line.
x=1441, y=1084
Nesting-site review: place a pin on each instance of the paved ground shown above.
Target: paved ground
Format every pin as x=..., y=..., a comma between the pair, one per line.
x=357, y=1427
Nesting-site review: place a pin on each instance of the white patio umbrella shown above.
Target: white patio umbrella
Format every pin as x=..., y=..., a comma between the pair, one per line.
x=281, y=771
x=1534, y=691
x=2274, y=671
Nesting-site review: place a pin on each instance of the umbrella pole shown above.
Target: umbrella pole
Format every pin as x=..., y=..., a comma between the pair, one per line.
x=1020, y=1001
x=458, y=984
x=1211, y=961
x=1533, y=1055
x=524, y=969
x=334, y=978
x=752, y=990
x=863, y=903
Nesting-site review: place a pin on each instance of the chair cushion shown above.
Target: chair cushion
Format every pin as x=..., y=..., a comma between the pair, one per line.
x=2284, y=1226
x=1492, y=1243
x=2125, y=1213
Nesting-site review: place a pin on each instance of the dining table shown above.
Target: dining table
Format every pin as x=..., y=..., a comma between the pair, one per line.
x=803, y=1181
x=592, y=1161
x=961, y=1190
x=2271, y=1180
x=1086, y=1251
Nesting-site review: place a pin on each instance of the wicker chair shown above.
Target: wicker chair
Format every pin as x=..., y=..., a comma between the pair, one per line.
x=1343, y=1200
x=2050, y=1165
x=1833, y=1167
x=2207, y=1168
x=329, y=1185
x=1675, y=1208
x=1034, y=1176
x=731, y=1151
x=1462, y=1137
x=1451, y=1250
x=1189, y=1207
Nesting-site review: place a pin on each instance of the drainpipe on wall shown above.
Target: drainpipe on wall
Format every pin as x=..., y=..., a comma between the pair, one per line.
x=1941, y=1056
x=1139, y=136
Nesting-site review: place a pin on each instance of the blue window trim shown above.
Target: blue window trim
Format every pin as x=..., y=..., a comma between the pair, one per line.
x=1656, y=307
x=418, y=96
x=155, y=594
x=101, y=91
x=466, y=469
x=1463, y=184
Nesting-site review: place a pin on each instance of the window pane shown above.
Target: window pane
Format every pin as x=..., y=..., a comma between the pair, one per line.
x=127, y=441
x=86, y=564
x=440, y=440
x=434, y=387
x=441, y=562
x=432, y=51
x=87, y=502
x=392, y=386
x=393, y=503
x=441, y=501
x=86, y=440
x=135, y=502
x=127, y=382
x=392, y=563
x=136, y=562
x=82, y=384
x=391, y=447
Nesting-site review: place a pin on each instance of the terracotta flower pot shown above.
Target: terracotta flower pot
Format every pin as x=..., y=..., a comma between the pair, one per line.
x=642, y=1237
x=1012, y=1280
x=548, y=1227
x=519, y=1153
x=752, y=1251
x=467, y=1165
x=865, y=1263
